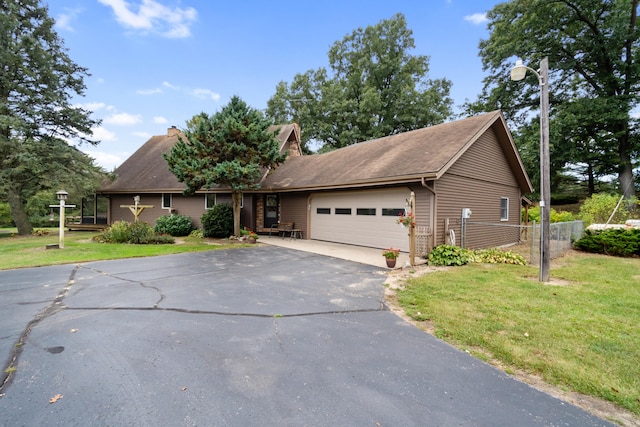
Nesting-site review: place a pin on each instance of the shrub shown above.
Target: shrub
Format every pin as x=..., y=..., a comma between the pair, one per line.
x=616, y=242
x=448, y=255
x=135, y=233
x=196, y=234
x=5, y=216
x=496, y=256
x=218, y=221
x=554, y=216
x=598, y=208
x=175, y=225
x=445, y=255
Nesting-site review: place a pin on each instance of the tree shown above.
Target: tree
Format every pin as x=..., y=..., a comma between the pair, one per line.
x=375, y=88
x=593, y=54
x=37, y=81
x=231, y=148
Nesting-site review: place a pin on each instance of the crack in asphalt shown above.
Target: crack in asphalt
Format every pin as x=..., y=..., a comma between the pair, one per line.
x=57, y=305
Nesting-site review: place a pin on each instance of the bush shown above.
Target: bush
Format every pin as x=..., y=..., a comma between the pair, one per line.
x=448, y=255
x=598, y=208
x=175, y=225
x=5, y=216
x=615, y=242
x=554, y=216
x=496, y=256
x=218, y=221
x=134, y=233
x=445, y=255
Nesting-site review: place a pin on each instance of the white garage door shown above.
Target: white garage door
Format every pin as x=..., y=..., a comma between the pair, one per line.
x=364, y=218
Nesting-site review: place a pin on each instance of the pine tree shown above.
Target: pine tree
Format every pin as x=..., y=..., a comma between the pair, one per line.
x=37, y=82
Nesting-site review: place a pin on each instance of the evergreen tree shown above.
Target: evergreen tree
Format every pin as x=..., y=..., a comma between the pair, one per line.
x=37, y=81
x=231, y=149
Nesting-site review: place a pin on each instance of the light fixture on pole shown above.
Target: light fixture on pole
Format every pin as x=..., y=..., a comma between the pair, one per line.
x=518, y=73
x=62, y=197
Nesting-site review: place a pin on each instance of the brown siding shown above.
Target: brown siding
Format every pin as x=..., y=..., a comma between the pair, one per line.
x=293, y=208
x=478, y=180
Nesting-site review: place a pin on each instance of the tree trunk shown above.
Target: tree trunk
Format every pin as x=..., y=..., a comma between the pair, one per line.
x=236, y=198
x=625, y=169
x=18, y=213
x=591, y=181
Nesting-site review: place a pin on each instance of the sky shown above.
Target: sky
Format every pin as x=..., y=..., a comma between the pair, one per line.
x=157, y=63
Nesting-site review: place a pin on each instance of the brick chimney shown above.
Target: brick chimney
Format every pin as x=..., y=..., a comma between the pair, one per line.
x=172, y=131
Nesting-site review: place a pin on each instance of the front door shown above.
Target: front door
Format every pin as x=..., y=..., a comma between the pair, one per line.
x=270, y=210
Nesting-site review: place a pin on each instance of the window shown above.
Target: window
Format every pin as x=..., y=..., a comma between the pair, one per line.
x=343, y=211
x=212, y=199
x=392, y=212
x=323, y=211
x=166, y=200
x=366, y=211
x=504, y=209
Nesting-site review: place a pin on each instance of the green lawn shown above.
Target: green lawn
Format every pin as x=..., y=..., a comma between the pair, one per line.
x=581, y=333
x=30, y=251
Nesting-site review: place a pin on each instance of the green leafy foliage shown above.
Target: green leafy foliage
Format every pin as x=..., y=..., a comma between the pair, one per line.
x=444, y=255
x=228, y=149
x=374, y=87
x=554, y=215
x=5, y=216
x=448, y=255
x=496, y=256
x=38, y=83
x=218, y=221
x=598, y=208
x=174, y=225
x=616, y=242
x=593, y=53
x=131, y=232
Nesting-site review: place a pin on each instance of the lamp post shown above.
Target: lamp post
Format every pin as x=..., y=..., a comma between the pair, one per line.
x=517, y=73
x=62, y=196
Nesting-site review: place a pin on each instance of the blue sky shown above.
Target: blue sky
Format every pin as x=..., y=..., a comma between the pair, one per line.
x=157, y=63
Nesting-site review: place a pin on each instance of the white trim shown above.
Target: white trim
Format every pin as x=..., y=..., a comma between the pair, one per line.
x=502, y=209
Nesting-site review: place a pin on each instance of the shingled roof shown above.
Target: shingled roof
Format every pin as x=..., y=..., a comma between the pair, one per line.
x=409, y=156
x=147, y=171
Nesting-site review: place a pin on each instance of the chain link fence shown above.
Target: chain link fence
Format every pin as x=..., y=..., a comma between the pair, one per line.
x=561, y=235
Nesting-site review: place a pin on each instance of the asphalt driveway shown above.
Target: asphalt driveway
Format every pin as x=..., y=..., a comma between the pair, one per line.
x=246, y=337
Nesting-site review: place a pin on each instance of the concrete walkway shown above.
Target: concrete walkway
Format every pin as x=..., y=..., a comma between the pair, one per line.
x=361, y=254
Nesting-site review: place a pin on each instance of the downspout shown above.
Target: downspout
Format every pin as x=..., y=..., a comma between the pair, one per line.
x=434, y=217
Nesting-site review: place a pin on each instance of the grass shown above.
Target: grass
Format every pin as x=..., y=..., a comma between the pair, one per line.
x=579, y=333
x=30, y=251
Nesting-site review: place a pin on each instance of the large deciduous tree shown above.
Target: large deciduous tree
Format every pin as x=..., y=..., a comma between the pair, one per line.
x=374, y=88
x=37, y=81
x=231, y=148
x=593, y=51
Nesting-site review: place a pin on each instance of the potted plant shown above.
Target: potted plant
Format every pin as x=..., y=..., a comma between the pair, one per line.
x=391, y=255
x=406, y=221
x=252, y=237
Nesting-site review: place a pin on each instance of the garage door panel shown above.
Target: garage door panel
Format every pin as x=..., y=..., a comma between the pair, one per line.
x=379, y=231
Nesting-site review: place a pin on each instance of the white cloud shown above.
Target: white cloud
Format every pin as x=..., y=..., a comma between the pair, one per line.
x=92, y=106
x=108, y=161
x=160, y=120
x=123, y=119
x=149, y=91
x=153, y=17
x=477, y=18
x=63, y=20
x=102, y=134
x=205, y=93
x=169, y=85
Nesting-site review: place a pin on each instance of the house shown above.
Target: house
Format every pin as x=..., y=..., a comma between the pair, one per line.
x=355, y=194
